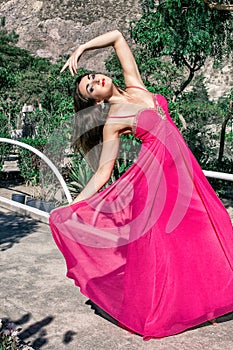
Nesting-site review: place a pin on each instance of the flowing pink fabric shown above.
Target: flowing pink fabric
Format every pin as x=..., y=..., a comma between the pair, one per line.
x=155, y=248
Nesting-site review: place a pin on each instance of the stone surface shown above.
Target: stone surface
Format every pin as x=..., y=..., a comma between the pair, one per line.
x=52, y=312
x=50, y=28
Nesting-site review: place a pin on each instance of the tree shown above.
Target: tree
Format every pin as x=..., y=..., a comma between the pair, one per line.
x=25, y=78
x=188, y=32
x=11, y=56
x=223, y=131
x=219, y=7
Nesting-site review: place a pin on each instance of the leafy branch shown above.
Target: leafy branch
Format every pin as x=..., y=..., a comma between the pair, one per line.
x=218, y=7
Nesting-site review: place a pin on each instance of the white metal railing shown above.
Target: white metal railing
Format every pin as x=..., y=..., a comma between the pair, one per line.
x=48, y=162
x=218, y=175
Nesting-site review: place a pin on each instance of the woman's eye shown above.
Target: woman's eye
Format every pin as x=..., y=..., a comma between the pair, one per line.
x=91, y=89
x=93, y=76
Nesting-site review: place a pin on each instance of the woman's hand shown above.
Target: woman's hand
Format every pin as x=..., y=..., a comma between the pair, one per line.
x=72, y=62
x=107, y=39
x=79, y=198
x=124, y=54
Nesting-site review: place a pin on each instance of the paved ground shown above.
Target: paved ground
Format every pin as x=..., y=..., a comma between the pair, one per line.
x=51, y=311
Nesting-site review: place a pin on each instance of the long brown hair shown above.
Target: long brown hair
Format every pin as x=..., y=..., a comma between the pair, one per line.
x=88, y=126
x=88, y=132
x=81, y=102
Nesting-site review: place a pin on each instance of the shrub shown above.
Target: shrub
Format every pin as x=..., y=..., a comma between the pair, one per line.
x=29, y=163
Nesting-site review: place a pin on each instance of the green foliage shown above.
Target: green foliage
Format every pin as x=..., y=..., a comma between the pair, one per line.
x=113, y=66
x=29, y=163
x=160, y=76
x=204, y=119
x=12, y=58
x=48, y=87
x=7, y=341
x=26, y=79
x=9, y=337
x=79, y=174
x=48, y=123
x=127, y=154
x=185, y=31
x=4, y=133
x=20, y=82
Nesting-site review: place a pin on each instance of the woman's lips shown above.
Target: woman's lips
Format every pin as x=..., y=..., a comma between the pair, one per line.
x=103, y=82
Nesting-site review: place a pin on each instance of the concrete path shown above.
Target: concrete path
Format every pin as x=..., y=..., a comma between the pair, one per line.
x=54, y=315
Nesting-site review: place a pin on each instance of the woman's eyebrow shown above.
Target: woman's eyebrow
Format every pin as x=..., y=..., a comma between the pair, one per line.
x=87, y=86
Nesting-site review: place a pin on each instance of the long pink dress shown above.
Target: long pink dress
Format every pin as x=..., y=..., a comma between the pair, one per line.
x=155, y=248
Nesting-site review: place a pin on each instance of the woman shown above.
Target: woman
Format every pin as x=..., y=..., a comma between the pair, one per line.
x=155, y=248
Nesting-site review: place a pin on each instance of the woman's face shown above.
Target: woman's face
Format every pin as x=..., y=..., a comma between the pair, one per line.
x=96, y=86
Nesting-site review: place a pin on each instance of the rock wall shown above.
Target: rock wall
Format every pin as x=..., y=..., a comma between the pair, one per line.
x=49, y=28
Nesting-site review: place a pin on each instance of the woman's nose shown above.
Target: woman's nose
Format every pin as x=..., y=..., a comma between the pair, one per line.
x=96, y=81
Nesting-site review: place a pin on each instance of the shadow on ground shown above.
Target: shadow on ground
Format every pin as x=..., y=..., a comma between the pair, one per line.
x=37, y=330
x=13, y=227
x=228, y=203
x=225, y=318
x=98, y=311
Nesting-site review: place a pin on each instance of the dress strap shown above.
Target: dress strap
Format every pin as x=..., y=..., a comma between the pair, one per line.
x=136, y=87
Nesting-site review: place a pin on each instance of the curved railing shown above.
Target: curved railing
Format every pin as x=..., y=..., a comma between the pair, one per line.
x=218, y=175
x=49, y=163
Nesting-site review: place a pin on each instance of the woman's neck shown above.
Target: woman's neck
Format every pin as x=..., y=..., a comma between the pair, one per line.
x=120, y=96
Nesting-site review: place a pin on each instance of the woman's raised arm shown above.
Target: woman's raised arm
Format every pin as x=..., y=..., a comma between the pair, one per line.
x=124, y=54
